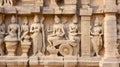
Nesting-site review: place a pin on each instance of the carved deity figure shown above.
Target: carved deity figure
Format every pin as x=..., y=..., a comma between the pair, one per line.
x=96, y=37
x=13, y=30
x=37, y=35
x=13, y=37
x=2, y=34
x=74, y=36
x=25, y=31
x=58, y=32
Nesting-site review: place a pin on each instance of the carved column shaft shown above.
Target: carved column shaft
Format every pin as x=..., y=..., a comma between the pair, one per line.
x=85, y=37
x=110, y=35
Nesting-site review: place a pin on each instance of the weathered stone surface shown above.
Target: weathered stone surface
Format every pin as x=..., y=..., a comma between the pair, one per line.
x=59, y=33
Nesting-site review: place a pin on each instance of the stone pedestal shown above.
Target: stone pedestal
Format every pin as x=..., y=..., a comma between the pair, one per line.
x=25, y=48
x=2, y=61
x=41, y=61
x=16, y=61
x=33, y=61
x=89, y=61
x=109, y=62
x=70, y=61
x=53, y=61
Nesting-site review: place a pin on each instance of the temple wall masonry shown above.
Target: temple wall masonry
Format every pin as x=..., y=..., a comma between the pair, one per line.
x=59, y=33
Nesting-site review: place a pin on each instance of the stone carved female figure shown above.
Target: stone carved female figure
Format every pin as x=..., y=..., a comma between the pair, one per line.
x=13, y=30
x=2, y=34
x=37, y=35
x=58, y=31
x=13, y=37
x=96, y=37
x=74, y=35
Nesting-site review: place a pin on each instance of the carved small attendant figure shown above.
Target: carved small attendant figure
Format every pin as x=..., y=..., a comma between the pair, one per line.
x=25, y=31
x=74, y=35
x=37, y=35
x=2, y=34
x=25, y=38
x=58, y=31
x=96, y=37
x=13, y=30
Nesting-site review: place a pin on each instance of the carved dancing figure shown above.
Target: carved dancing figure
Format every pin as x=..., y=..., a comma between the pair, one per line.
x=96, y=37
x=37, y=35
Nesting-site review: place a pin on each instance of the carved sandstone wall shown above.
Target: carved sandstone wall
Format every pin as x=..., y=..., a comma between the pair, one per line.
x=59, y=33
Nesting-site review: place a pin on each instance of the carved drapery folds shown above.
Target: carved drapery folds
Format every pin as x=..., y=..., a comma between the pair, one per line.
x=96, y=37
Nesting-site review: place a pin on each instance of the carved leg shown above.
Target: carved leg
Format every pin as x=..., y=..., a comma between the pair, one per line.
x=35, y=47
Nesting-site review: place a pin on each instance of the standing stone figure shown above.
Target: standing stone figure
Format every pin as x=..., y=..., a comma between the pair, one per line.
x=2, y=34
x=74, y=36
x=58, y=32
x=96, y=37
x=37, y=35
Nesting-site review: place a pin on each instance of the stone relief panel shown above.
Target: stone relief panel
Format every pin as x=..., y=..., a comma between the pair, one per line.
x=59, y=43
x=97, y=42
x=60, y=36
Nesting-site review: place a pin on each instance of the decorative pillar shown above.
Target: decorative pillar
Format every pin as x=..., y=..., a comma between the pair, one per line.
x=85, y=13
x=110, y=35
x=85, y=36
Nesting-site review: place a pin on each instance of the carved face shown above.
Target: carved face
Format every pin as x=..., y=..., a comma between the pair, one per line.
x=36, y=19
x=57, y=19
x=25, y=21
x=13, y=19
